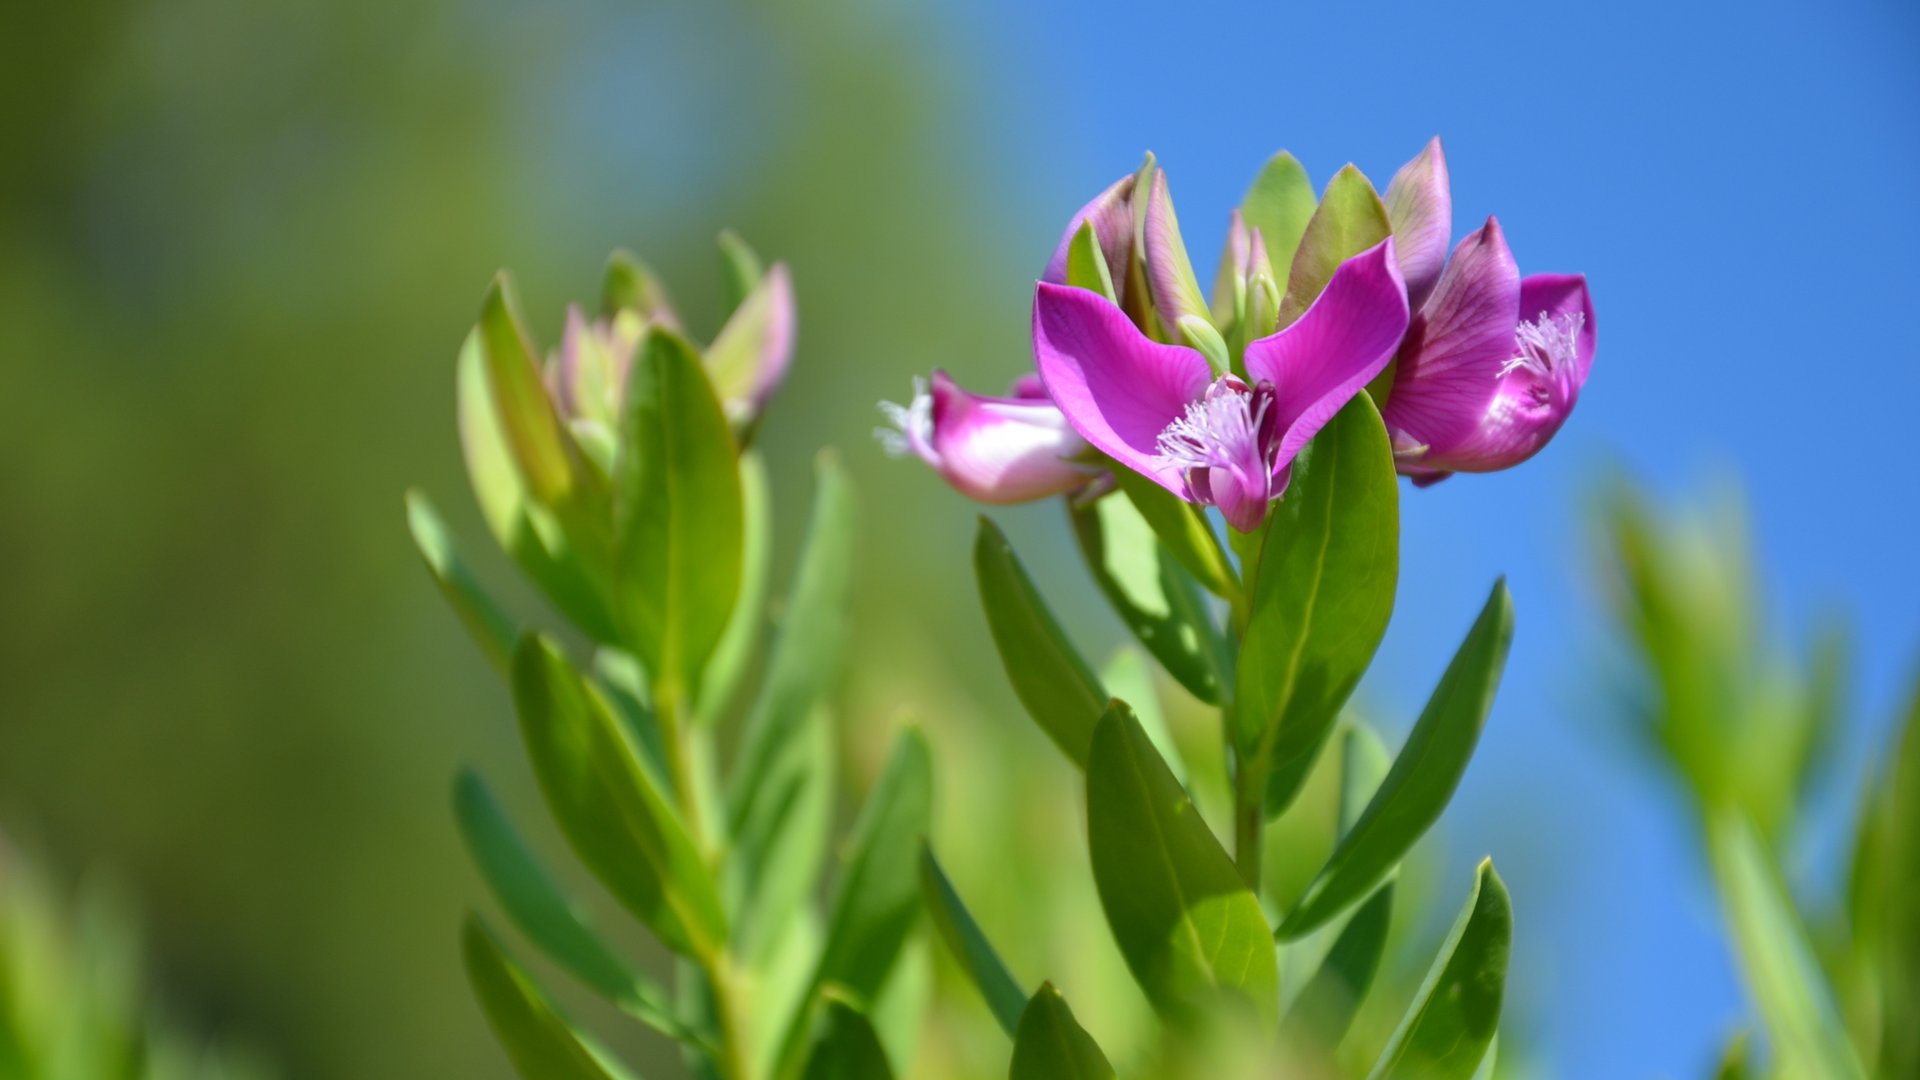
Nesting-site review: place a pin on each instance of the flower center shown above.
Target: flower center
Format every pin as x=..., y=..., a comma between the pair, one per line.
x=1232, y=426
x=1547, y=345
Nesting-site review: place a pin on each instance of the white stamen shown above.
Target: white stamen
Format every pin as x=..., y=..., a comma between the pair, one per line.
x=1219, y=430
x=912, y=421
x=1547, y=343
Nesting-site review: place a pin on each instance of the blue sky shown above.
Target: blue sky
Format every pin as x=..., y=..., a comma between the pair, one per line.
x=1734, y=180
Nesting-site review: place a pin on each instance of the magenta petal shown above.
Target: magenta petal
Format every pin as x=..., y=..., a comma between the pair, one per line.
x=1458, y=344
x=1029, y=387
x=999, y=450
x=1420, y=208
x=1333, y=350
x=1118, y=388
x=1562, y=294
x=1111, y=212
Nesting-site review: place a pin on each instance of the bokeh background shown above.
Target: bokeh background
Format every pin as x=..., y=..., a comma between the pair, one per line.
x=240, y=241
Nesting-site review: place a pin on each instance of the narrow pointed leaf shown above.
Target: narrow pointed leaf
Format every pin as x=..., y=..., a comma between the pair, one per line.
x=1128, y=678
x=1279, y=203
x=491, y=628
x=1191, y=932
x=1325, y=1008
x=1050, y=1044
x=536, y=905
x=845, y=1047
x=744, y=267
x=1049, y=677
x=551, y=465
x=631, y=285
x=1321, y=597
x=610, y=809
x=677, y=514
x=727, y=669
x=1151, y=592
x=1349, y=220
x=535, y=1036
x=1446, y=1033
x=969, y=944
x=1423, y=777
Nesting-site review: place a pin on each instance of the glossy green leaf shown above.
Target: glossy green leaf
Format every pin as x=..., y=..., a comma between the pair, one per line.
x=1057, y=687
x=1279, y=203
x=1325, y=1007
x=845, y=1047
x=1183, y=528
x=536, y=905
x=677, y=516
x=1191, y=932
x=1150, y=592
x=1446, y=1032
x=780, y=797
x=490, y=627
x=727, y=669
x=1423, y=777
x=744, y=268
x=1803, y=1023
x=1087, y=264
x=1349, y=220
x=1322, y=594
x=631, y=285
x=1050, y=1044
x=535, y=1036
x=609, y=808
x=969, y=944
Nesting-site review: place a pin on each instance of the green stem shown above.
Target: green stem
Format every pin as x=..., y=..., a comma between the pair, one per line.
x=1249, y=819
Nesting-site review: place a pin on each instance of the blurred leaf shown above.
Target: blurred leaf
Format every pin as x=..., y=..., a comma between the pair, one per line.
x=1349, y=220
x=1320, y=599
x=845, y=1047
x=1452, y=1021
x=1279, y=203
x=551, y=465
x=780, y=797
x=1423, y=777
x=732, y=658
x=1735, y=1060
x=900, y=1009
x=1151, y=593
x=1087, y=264
x=1058, y=689
x=1364, y=764
x=493, y=630
x=744, y=268
x=1490, y=1061
x=761, y=325
x=609, y=807
x=1183, y=528
x=677, y=515
x=1899, y=953
x=1786, y=982
x=541, y=1044
x=969, y=944
x=1325, y=1008
x=631, y=285
x=1128, y=678
x=1049, y=1044
x=1189, y=929
x=536, y=905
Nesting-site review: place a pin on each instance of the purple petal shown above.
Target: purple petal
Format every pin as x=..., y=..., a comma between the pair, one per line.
x=1333, y=350
x=1176, y=292
x=749, y=356
x=1000, y=450
x=1111, y=212
x=1450, y=364
x=1562, y=294
x=1118, y=388
x=1419, y=204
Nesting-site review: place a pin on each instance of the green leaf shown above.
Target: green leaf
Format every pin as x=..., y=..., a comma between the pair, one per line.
x=607, y=805
x=1364, y=764
x=744, y=268
x=1128, y=678
x=1782, y=974
x=1183, y=528
x=537, y=906
x=1051, y=1045
x=1191, y=932
x=1898, y=923
x=490, y=627
x=1087, y=265
x=1423, y=777
x=1736, y=1060
x=1058, y=689
x=631, y=285
x=1150, y=592
x=845, y=1047
x=1349, y=220
x=1279, y=203
x=1446, y=1033
x=551, y=465
x=969, y=944
x=1325, y=1008
x=1322, y=594
x=677, y=516
x=780, y=798
x=727, y=669
x=741, y=350
x=538, y=1039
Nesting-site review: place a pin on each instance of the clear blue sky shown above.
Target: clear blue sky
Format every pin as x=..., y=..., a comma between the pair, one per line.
x=1737, y=181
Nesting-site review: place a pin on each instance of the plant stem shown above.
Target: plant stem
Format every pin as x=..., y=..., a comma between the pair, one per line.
x=1249, y=818
x=679, y=750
